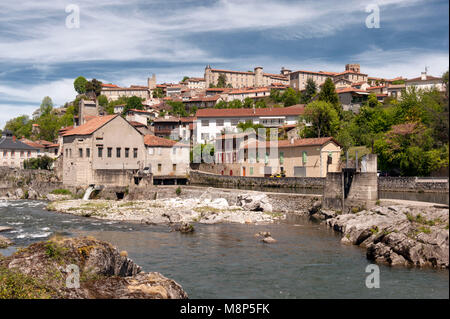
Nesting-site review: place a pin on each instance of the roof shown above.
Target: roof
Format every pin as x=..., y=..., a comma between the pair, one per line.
x=350, y=90
x=139, y=111
x=318, y=141
x=428, y=78
x=155, y=141
x=137, y=124
x=31, y=143
x=91, y=126
x=244, y=112
x=109, y=85
x=229, y=71
x=11, y=143
x=167, y=119
x=319, y=73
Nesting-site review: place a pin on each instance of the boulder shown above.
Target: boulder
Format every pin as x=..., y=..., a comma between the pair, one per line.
x=5, y=228
x=5, y=242
x=269, y=240
x=184, y=228
x=105, y=273
x=254, y=202
x=19, y=193
x=32, y=194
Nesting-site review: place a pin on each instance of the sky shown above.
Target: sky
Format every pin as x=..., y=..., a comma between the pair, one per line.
x=43, y=49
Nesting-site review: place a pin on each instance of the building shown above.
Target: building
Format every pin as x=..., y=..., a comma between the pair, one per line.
x=106, y=150
x=210, y=123
x=240, y=79
x=166, y=157
x=426, y=82
x=114, y=92
x=44, y=148
x=14, y=152
x=352, y=99
x=141, y=116
x=195, y=83
x=252, y=93
x=245, y=155
x=167, y=127
x=352, y=74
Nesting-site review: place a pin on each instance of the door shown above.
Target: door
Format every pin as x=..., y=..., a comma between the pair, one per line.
x=243, y=171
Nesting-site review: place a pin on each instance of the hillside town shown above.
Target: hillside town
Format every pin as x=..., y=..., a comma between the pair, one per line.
x=165, y=131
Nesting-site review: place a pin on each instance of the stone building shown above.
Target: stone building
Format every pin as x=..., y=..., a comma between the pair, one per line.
x=114, y=92
x=240, y=79
x=106, y=150
x=352, y=74
x=426, y=82
x=166, y=157
x=13, y=152
x=245, y=155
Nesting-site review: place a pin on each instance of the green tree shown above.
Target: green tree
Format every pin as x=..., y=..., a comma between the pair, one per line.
x=158, y=93
x=133, y=102
x=49, y=125
x=20, y=126
x=185, y=78
x=248, y=103
x=235, y=104
x=46, y=106
x=102, y=100
x=290, y=97
x=178, y=108
x=221, y=81
x=323, y=118
x=94, y=87
x=328, y=93
x=80, y=85
x=310, y=91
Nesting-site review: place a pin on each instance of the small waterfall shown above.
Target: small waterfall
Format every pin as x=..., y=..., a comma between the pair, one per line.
x=88, y=192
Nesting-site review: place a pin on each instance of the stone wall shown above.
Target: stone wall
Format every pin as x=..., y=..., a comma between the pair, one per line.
x=281, y=202
x=196, y=177
x=333, y=191
x=42, y=181
x=412, y=184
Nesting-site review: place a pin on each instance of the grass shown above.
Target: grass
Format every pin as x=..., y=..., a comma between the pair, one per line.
x=15, y=285
x=54, y=251
x=61, y=191
x=374, y=229
x=178, y=191
x=422, y=220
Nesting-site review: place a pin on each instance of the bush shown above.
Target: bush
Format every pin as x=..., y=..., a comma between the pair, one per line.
x=61, y=191
x=43, y=162
x=178, y=191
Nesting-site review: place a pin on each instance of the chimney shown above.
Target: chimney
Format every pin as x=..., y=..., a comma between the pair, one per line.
x=423, y=76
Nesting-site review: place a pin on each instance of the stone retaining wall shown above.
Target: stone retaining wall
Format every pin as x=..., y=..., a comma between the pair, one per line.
x=411, y=184
x=197, y=177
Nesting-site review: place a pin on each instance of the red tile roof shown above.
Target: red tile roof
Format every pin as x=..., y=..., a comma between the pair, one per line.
x=350, y=89
x=137, y=124
x=243, y=112
x=109, y=85
x=155, y=141
x=428, y=78
x=91, y=126
x=296, y=143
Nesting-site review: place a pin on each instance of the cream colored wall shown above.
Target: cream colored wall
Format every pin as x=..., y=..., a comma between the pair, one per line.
x=117, y=133
x=167, y=157
x=15, y=158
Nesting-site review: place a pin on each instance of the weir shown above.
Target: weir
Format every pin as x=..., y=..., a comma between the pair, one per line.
x=88, y=192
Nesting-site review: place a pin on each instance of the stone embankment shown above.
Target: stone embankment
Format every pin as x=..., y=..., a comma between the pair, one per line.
x=396, y=234
x=249, y=208
x=42, y=270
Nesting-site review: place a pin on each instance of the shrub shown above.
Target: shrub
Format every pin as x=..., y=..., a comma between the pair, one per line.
x=61, y=191
x=178, y=191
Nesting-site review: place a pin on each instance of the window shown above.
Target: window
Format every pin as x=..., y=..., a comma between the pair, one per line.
x=13, y=154
x=100, y=152
x=29, y=154
x=159, y=167
x=281, y=157
x=251, y=170
x=205, y=136
x=118, y=149
x=219, y=122
x=174, y=151
x=135, y=152
x=88, y=152
x=127, y=152
x=109, y=151
x=22, y=154
x=151, y=151
x=234, y=122
x=304, y=157
x=70, y=152
x=266, y=159
x=205, y=123
x=5, y=153
x=80, y=152
x=174, y=167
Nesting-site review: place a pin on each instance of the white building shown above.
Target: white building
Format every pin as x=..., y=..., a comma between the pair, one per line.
x=426, y=82
x=13, y=152
x=210, y=123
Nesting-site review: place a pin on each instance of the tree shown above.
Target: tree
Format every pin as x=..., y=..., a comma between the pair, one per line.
x=290, y=97
x=185, y=78
x=102, y=100
x=235, y=104
x=221, y=81
x=178, y=108
x=372, y=100
x=445, y=82
x=310, y=91
x=323, y=118
x=328, y=93
x=80, y=85
x=133, y=102
x=94, y=87
x=46, y=106
x=249, y=125
x=158, y=93
x=49, y=126
x=20, y=126
x=44, y=162
x=248, y=103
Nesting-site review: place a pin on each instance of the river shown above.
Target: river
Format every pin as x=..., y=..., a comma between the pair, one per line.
x=227, y=261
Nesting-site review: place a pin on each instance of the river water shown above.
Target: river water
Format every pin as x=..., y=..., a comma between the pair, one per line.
x=227, y=261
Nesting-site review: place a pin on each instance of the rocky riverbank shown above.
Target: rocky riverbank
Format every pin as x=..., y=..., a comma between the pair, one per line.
x=249, y=208
x=41, y=271
x=396, y=234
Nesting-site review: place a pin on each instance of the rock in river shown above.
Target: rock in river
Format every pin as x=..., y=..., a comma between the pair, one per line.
x=42, y=270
